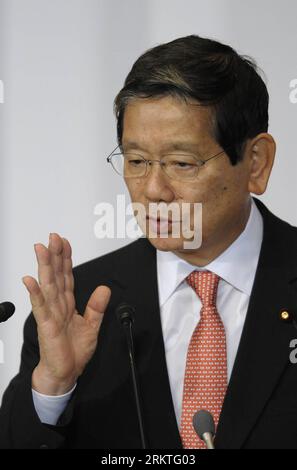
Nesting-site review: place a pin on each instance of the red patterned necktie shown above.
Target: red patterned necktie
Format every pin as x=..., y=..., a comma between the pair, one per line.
x=205, y=381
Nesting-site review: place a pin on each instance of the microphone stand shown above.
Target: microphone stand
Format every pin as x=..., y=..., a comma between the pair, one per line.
x=126, y=322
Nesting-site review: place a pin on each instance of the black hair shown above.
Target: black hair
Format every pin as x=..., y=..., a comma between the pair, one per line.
x=209, y=72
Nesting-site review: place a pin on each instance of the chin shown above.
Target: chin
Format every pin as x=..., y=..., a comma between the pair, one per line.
x=167, y=244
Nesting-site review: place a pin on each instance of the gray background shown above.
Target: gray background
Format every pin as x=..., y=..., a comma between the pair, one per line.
x=62, y=62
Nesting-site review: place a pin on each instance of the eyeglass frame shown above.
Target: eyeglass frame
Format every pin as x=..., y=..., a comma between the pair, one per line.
x=150, y=162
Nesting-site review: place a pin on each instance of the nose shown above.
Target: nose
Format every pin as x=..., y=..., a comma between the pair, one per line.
x=157, y=185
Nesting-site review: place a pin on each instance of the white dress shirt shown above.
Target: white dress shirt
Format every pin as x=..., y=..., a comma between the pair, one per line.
x=180, y=309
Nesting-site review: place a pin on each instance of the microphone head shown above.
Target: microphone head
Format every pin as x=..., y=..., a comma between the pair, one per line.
x=203, y=422
x=6, y=311
x=125, y=313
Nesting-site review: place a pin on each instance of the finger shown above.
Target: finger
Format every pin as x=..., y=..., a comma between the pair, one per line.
x=55, y=248
x=70, y=302
x=45, y=270
x=68, y=277
x=67, y=266
x=46, y=275
x=96, y=306
x=36, y=298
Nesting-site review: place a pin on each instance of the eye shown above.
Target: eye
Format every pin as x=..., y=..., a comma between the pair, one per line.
x=180, y=162
x=134, y=160
x=183, y=165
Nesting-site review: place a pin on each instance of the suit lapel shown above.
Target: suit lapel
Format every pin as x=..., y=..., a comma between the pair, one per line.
x=263, y=351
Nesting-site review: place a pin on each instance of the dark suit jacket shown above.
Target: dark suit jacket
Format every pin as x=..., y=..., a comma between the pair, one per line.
x=260, y=408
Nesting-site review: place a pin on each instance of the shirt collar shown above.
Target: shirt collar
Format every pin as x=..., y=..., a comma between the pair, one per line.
x=236, y=265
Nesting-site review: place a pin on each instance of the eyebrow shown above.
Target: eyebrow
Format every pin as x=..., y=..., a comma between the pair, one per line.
x=167, y=147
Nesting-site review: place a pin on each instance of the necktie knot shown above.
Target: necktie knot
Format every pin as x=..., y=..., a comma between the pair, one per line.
x=205, y=285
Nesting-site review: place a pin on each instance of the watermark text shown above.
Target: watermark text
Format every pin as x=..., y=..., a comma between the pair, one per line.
x=174, y=220
x=293, y=92
x=1, y=92
x=1, y=352
x=293, y=354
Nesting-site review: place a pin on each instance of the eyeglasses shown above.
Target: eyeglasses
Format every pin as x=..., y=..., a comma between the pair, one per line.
x=179, y=167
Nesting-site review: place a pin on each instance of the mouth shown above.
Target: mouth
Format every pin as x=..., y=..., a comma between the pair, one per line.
x=160, y=225
x=161, y=220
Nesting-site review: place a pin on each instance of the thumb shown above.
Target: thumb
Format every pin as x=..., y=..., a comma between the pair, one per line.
x=96, y=306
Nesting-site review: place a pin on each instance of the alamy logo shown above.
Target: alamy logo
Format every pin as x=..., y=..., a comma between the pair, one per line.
x=293, y=92
x=1, y=92
x=1, y=352
x=293, y=354
x=156, y=220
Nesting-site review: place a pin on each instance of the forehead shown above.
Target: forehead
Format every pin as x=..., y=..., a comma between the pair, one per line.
x=166, y=120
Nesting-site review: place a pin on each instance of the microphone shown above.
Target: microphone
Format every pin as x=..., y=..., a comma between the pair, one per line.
x=6, y=311
x=204, y=426
x=125, y=314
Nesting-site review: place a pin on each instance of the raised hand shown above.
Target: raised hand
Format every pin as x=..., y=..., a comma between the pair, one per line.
x=67, y=340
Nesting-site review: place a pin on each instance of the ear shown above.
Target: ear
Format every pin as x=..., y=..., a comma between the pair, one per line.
x=260, y=153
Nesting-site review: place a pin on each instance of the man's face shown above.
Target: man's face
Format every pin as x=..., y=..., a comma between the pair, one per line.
x=155, y=127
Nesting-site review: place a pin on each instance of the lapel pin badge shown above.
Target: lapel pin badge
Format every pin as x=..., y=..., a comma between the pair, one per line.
x=285, y=316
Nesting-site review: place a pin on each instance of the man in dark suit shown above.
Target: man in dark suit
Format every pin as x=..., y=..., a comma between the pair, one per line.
x=183, y=103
